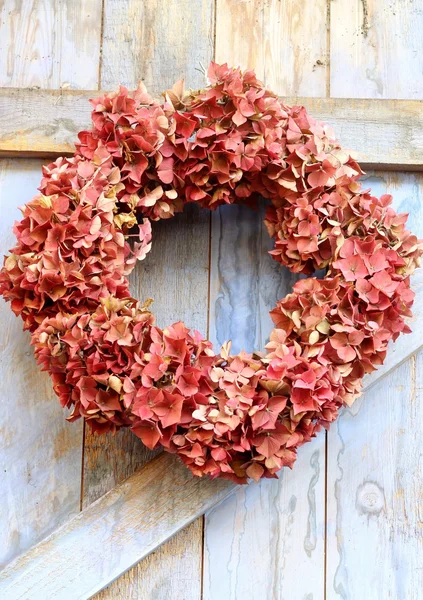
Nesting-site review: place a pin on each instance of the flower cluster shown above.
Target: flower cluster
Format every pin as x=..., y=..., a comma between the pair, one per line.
x=229, y=416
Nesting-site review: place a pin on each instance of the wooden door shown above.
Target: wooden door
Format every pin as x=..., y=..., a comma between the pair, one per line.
x=347, y=521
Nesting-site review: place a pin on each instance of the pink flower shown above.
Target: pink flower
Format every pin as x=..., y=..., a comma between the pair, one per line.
x=345, y=344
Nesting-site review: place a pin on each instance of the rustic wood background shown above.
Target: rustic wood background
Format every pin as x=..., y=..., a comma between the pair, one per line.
x=347, y=522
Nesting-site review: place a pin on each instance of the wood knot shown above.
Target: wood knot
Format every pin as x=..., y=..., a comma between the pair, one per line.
x=370, y=498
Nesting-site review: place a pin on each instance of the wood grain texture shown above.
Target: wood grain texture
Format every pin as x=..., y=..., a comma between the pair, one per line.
x=245, y=282
x=373, y=451
x=143, y=41
x=266, y=541
x=384, y=133
x=50, y=44
x=374, y=542
x=40, y=457
x=282, y=521
x=175, y=274
x=112, y=534
x=285, y=42
x=376, y=49
x=407, y=192
x=375, y=499
x=156, y=42
x=173, y=571
x=260, y=541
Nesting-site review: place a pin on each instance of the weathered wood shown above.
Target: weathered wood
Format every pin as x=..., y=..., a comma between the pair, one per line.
x=132, y=30
x=385, y=133
x=173, y=571
x=48, y=44
x=375, y=492
x=260, y=540
x=282, y=521
x=156, y=42
x=285, y=42
x=376, y=49
x=374, y=506
x=112, y=534
x=143, y=41
x=407, y=192
x=40, y=457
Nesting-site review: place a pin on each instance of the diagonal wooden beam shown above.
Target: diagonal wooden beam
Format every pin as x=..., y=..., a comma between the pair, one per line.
x=114, y=533
x=123, y=527
x=385, y=133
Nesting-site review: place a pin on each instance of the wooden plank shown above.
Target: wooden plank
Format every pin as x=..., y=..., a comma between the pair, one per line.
x=141, y=40
x=175, y=273
x=263, y=539
x=384, y=133
x=374, y=504
x=50, y=44
x=407, y=192
x=157, y=43
x=376, y=49
x=375, y=492
x=40, y=458
x=112, y=534
x=173, y=571
x=286, y=42
x=260, y=541
x=41, y=452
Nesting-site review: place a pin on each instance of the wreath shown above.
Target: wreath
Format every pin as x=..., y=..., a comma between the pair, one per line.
x=229, y=416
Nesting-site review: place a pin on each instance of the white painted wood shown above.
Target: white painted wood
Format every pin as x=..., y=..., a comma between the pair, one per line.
x=42, y=44
x=245, y=282
x=259, y=543
x=278, y=528
x=50, y=44
x=285, y=42
x=260, y=540
x=375, y=492
x=157, y=42
x=374, y=543
x=41, y=454
x=266, y=541
x=376, y=49
x=114, y=533
x=407, y=192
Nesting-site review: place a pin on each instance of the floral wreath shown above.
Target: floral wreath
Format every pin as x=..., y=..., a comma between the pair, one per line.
x=236, y=417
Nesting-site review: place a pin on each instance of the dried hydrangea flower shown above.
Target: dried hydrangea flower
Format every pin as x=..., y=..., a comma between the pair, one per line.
x=236, y=417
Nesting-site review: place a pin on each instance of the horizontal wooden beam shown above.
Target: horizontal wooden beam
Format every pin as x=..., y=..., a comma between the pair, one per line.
x=385, y=133
x=126, y=524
